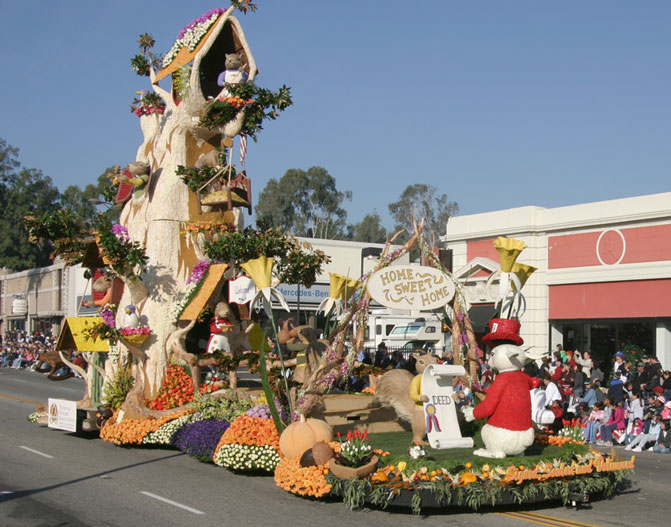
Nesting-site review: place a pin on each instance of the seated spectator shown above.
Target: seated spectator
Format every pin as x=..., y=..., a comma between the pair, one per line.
x=666, y=384
x=595, y=419
x=633, y=432
x=640, y=441
x=663, y=445
x=590, y=397
x=615, y=423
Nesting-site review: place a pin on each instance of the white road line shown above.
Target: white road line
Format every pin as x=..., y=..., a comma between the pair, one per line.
x=166, y=500
x=20, y=380
x=36, y=452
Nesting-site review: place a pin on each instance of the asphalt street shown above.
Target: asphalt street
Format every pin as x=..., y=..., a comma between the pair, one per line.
x=51, y=478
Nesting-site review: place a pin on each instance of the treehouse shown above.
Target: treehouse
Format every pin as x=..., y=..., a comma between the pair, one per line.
x=225, y=36
x=225, y=191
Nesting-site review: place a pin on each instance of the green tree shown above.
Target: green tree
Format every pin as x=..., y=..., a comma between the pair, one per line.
x=304, y=203
x=23, y=192
x=369, y=229
x=426, y=203
x=93, y=199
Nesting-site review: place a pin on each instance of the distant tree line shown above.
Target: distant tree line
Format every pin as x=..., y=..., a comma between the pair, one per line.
x=303, y=203
x=28, y=192
x=308, y=203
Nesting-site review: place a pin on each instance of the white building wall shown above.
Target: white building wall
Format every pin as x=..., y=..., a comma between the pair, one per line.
x=534, y=225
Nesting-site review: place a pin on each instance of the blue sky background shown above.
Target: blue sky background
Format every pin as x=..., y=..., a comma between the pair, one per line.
x=499, y=104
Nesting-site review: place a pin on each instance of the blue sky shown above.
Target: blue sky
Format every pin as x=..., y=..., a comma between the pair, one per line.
x=498, y=104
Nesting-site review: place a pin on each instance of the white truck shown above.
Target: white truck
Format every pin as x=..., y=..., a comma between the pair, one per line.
x=407, y=332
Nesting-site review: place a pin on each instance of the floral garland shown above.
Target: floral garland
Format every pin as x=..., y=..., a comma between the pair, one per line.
x=191, y=34
x=133, y=431
x=475, y=487
x=208, y=226
x=193, y=285
x=198, y=272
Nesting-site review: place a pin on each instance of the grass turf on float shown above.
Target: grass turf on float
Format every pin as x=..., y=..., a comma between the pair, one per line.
x=454, y=477
x=398, y=444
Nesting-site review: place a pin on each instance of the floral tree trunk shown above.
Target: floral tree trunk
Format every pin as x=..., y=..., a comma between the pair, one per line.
x=157, y=215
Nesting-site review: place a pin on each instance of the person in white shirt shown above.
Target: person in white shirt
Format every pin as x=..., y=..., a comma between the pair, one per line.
x=552, y=392
x=584, y=360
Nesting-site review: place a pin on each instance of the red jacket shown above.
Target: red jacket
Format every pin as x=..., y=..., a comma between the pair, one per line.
x=508, y=402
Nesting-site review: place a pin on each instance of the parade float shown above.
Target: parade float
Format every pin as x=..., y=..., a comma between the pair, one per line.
x=177, y=262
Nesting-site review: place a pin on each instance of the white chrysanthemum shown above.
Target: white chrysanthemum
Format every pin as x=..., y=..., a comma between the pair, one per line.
x=191, y=39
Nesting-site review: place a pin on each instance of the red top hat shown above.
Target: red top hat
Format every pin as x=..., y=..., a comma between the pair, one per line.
x=503, y=329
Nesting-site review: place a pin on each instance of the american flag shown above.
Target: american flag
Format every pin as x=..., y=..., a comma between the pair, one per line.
x=243, y=149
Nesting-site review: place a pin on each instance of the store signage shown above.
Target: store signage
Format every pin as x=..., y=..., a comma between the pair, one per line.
x=307, y=295
x=411, y=287
x=63, y=414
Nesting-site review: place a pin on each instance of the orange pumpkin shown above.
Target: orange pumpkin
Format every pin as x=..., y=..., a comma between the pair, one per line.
x=302, y=435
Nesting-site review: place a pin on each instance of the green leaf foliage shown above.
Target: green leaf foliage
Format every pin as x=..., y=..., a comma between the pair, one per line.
x=295, y=262
x=260, y=105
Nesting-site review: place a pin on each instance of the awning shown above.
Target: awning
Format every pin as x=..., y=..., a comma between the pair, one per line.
x=211, y=283
x=72, y=335
x=185, y=55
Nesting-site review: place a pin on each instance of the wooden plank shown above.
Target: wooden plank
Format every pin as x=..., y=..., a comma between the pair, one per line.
x=215, y=275
x=185, y=55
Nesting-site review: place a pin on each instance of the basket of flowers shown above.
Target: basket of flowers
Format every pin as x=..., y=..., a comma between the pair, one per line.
x=135, y=336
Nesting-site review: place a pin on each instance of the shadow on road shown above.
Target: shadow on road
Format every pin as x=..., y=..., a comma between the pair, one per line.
x=30, y=492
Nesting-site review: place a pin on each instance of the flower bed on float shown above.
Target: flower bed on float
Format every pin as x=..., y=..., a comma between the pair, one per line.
x=251, y=444
x=418, y=478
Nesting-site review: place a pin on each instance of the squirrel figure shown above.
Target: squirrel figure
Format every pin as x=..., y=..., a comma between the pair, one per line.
x=393, y=390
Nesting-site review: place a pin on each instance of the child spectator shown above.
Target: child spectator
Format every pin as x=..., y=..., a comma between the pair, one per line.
x=615, y=423
x=640, y=441
x=593, y=421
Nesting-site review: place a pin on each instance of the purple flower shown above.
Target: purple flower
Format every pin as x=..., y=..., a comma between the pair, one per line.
x=202, y=18
x=108, y=317
x=198, y=272
x=263, y=411
x=200, y=439
x=120, y=232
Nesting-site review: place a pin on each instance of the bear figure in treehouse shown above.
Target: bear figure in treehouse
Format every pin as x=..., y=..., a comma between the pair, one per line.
x=233, y=74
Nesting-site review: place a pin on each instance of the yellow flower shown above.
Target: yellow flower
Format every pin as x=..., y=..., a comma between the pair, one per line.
x=401, y=466
x=509, y=249
x=260, y=270
x=523, y=272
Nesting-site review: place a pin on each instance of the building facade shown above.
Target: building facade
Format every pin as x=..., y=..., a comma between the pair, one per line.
x=603, y=278
x=34, y=300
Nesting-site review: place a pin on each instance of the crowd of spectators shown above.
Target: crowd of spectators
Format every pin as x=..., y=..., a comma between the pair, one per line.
x=628, y=404
x=20, y=349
